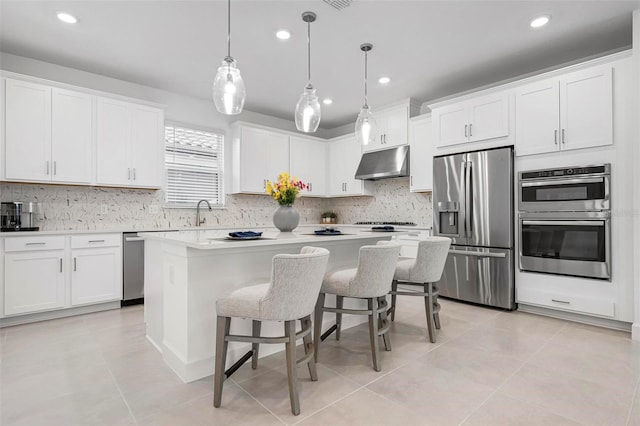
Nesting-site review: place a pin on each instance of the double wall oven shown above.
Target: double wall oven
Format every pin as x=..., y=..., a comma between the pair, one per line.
x=565, y=221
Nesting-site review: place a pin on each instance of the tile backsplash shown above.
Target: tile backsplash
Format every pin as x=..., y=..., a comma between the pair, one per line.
x=100, y=208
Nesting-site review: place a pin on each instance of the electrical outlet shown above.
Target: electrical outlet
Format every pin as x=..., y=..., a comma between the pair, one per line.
x=104, y=209
x=153, y=209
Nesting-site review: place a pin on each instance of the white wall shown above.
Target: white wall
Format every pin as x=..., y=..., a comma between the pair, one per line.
x=636, y=173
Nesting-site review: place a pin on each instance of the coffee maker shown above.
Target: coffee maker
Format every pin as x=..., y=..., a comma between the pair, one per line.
x=18, y=216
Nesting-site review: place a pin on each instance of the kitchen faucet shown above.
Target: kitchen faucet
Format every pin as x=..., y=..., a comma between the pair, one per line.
x=198, y=221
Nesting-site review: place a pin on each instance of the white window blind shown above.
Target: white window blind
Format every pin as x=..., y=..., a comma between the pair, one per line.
x=194, y=162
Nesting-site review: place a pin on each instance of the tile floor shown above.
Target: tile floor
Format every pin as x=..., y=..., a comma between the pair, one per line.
x=488, y=368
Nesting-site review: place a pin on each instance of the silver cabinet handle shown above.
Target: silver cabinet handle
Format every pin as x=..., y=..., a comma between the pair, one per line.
x=35, y=244
x=411, y=178
x=134, y=173
x=75, y=264
x=264, y=183
x=60, y=264
x=470, y=129
x=465, y=130
x=96, y=241
x=555, y=136
x=563, y=137
x=596, y=222
x=55, y=169
x=47, y=162
x=561, y=301
x=310, y=187
x=477, y=254
x=128, y=173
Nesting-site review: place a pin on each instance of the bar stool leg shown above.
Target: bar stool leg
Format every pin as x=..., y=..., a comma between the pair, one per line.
x=382, y=304
x=308, y=348
x=373, y=333
x=222, y=331
x=394, y=288
x=428, y=307
x=317, y=325
x=339, y=304
x=255, y=332
x=292, y=370
x=436, y=307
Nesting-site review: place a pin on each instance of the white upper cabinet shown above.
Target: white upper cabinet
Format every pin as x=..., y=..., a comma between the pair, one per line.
x=421, y=154
x=343, y=160
x=258, y=155
x=568, y=112
x=129, y=144
x=472, y=120
x=48, y=133
x=71, y=136
x=308, y=162
x=392, y=128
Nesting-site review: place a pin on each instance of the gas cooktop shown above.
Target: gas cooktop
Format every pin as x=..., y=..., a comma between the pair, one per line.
x=386, y=223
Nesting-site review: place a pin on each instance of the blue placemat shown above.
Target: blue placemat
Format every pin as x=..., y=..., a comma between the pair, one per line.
x=245, y=234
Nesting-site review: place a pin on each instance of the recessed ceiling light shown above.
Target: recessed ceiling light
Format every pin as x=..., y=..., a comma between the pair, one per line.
x=67, y=18
x=539, y=21
x=384, y=80
x=327, y=101
x=283, y=34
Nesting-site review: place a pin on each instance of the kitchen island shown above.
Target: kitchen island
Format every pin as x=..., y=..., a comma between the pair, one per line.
x=187, y=271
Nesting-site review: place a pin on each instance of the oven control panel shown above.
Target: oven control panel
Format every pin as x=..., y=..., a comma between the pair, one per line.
x=570, y=171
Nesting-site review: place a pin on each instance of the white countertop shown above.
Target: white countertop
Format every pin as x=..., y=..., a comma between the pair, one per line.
x=304, y=228
x=217, y=238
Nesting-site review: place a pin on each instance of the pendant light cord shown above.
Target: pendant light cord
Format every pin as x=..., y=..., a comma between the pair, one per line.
x=309, y=52
x=229, y=28
x=365, y=77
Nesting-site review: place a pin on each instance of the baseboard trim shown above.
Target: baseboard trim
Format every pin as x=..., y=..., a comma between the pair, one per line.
x=62, y=313
x=635, y=331
x=570, y=316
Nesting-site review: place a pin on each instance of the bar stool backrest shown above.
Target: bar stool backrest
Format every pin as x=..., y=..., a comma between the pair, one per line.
x=430, y=260
x=376, y=266
x=295, y=284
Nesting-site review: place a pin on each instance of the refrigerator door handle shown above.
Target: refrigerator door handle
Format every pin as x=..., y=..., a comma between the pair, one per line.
x=467, y=199
x=477, y=253
x=462, y=219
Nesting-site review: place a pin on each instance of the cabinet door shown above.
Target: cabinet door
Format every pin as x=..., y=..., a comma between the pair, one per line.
x=27, y=131
x=451, y=124
x=253, y=152
x=33, y=281
x=71, y=136
x=147, y=146
x=96, y=275
x=396, y=127
x=586, y=102
x=421, y=155
x=343, y=158
x=277, y=155
x=489, y=117
x=537, y=117
x=379, y=130
x=308, y=163
x=113, y=136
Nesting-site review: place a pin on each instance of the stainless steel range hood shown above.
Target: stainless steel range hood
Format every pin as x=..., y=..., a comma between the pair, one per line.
x=384, y=164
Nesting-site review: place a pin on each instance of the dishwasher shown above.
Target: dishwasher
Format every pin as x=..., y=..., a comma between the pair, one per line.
x=132, y=269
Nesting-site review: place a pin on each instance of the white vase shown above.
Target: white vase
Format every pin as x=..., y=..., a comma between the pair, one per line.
x=286, y=218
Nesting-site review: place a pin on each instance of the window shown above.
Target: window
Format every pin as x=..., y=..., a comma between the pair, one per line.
x=194, y=162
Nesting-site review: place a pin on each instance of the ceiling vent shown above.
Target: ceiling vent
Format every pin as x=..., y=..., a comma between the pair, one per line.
x=338, y=4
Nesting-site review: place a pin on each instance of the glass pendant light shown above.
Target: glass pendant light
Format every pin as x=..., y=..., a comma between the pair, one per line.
x=228, y=87
x=366, y=123
x=308, y=112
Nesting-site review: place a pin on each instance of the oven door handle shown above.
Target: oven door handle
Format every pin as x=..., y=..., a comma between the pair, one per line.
x=553, y=182
x=477, y=253
x=597, y=222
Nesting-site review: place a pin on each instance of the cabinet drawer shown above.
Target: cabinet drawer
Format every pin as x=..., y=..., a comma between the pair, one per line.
x=33, y=243
x=566, y=302
x=96, y=240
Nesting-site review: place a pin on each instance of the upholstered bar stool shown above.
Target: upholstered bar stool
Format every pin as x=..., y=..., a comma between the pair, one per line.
x=425, y=270
x=289, y=296
x=370, y=280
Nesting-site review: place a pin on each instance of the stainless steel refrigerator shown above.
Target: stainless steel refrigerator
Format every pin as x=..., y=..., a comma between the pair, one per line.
x=473, y=205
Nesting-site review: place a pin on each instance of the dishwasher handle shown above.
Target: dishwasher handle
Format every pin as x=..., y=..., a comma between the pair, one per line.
x=129, y=239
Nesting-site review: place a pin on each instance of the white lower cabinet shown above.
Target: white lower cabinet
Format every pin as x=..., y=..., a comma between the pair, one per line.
x=567, y=302
x=40, y=271
x=34, y=281
x=96, y=269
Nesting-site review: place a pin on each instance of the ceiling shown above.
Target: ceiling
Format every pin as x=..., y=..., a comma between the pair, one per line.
x=430, y=49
